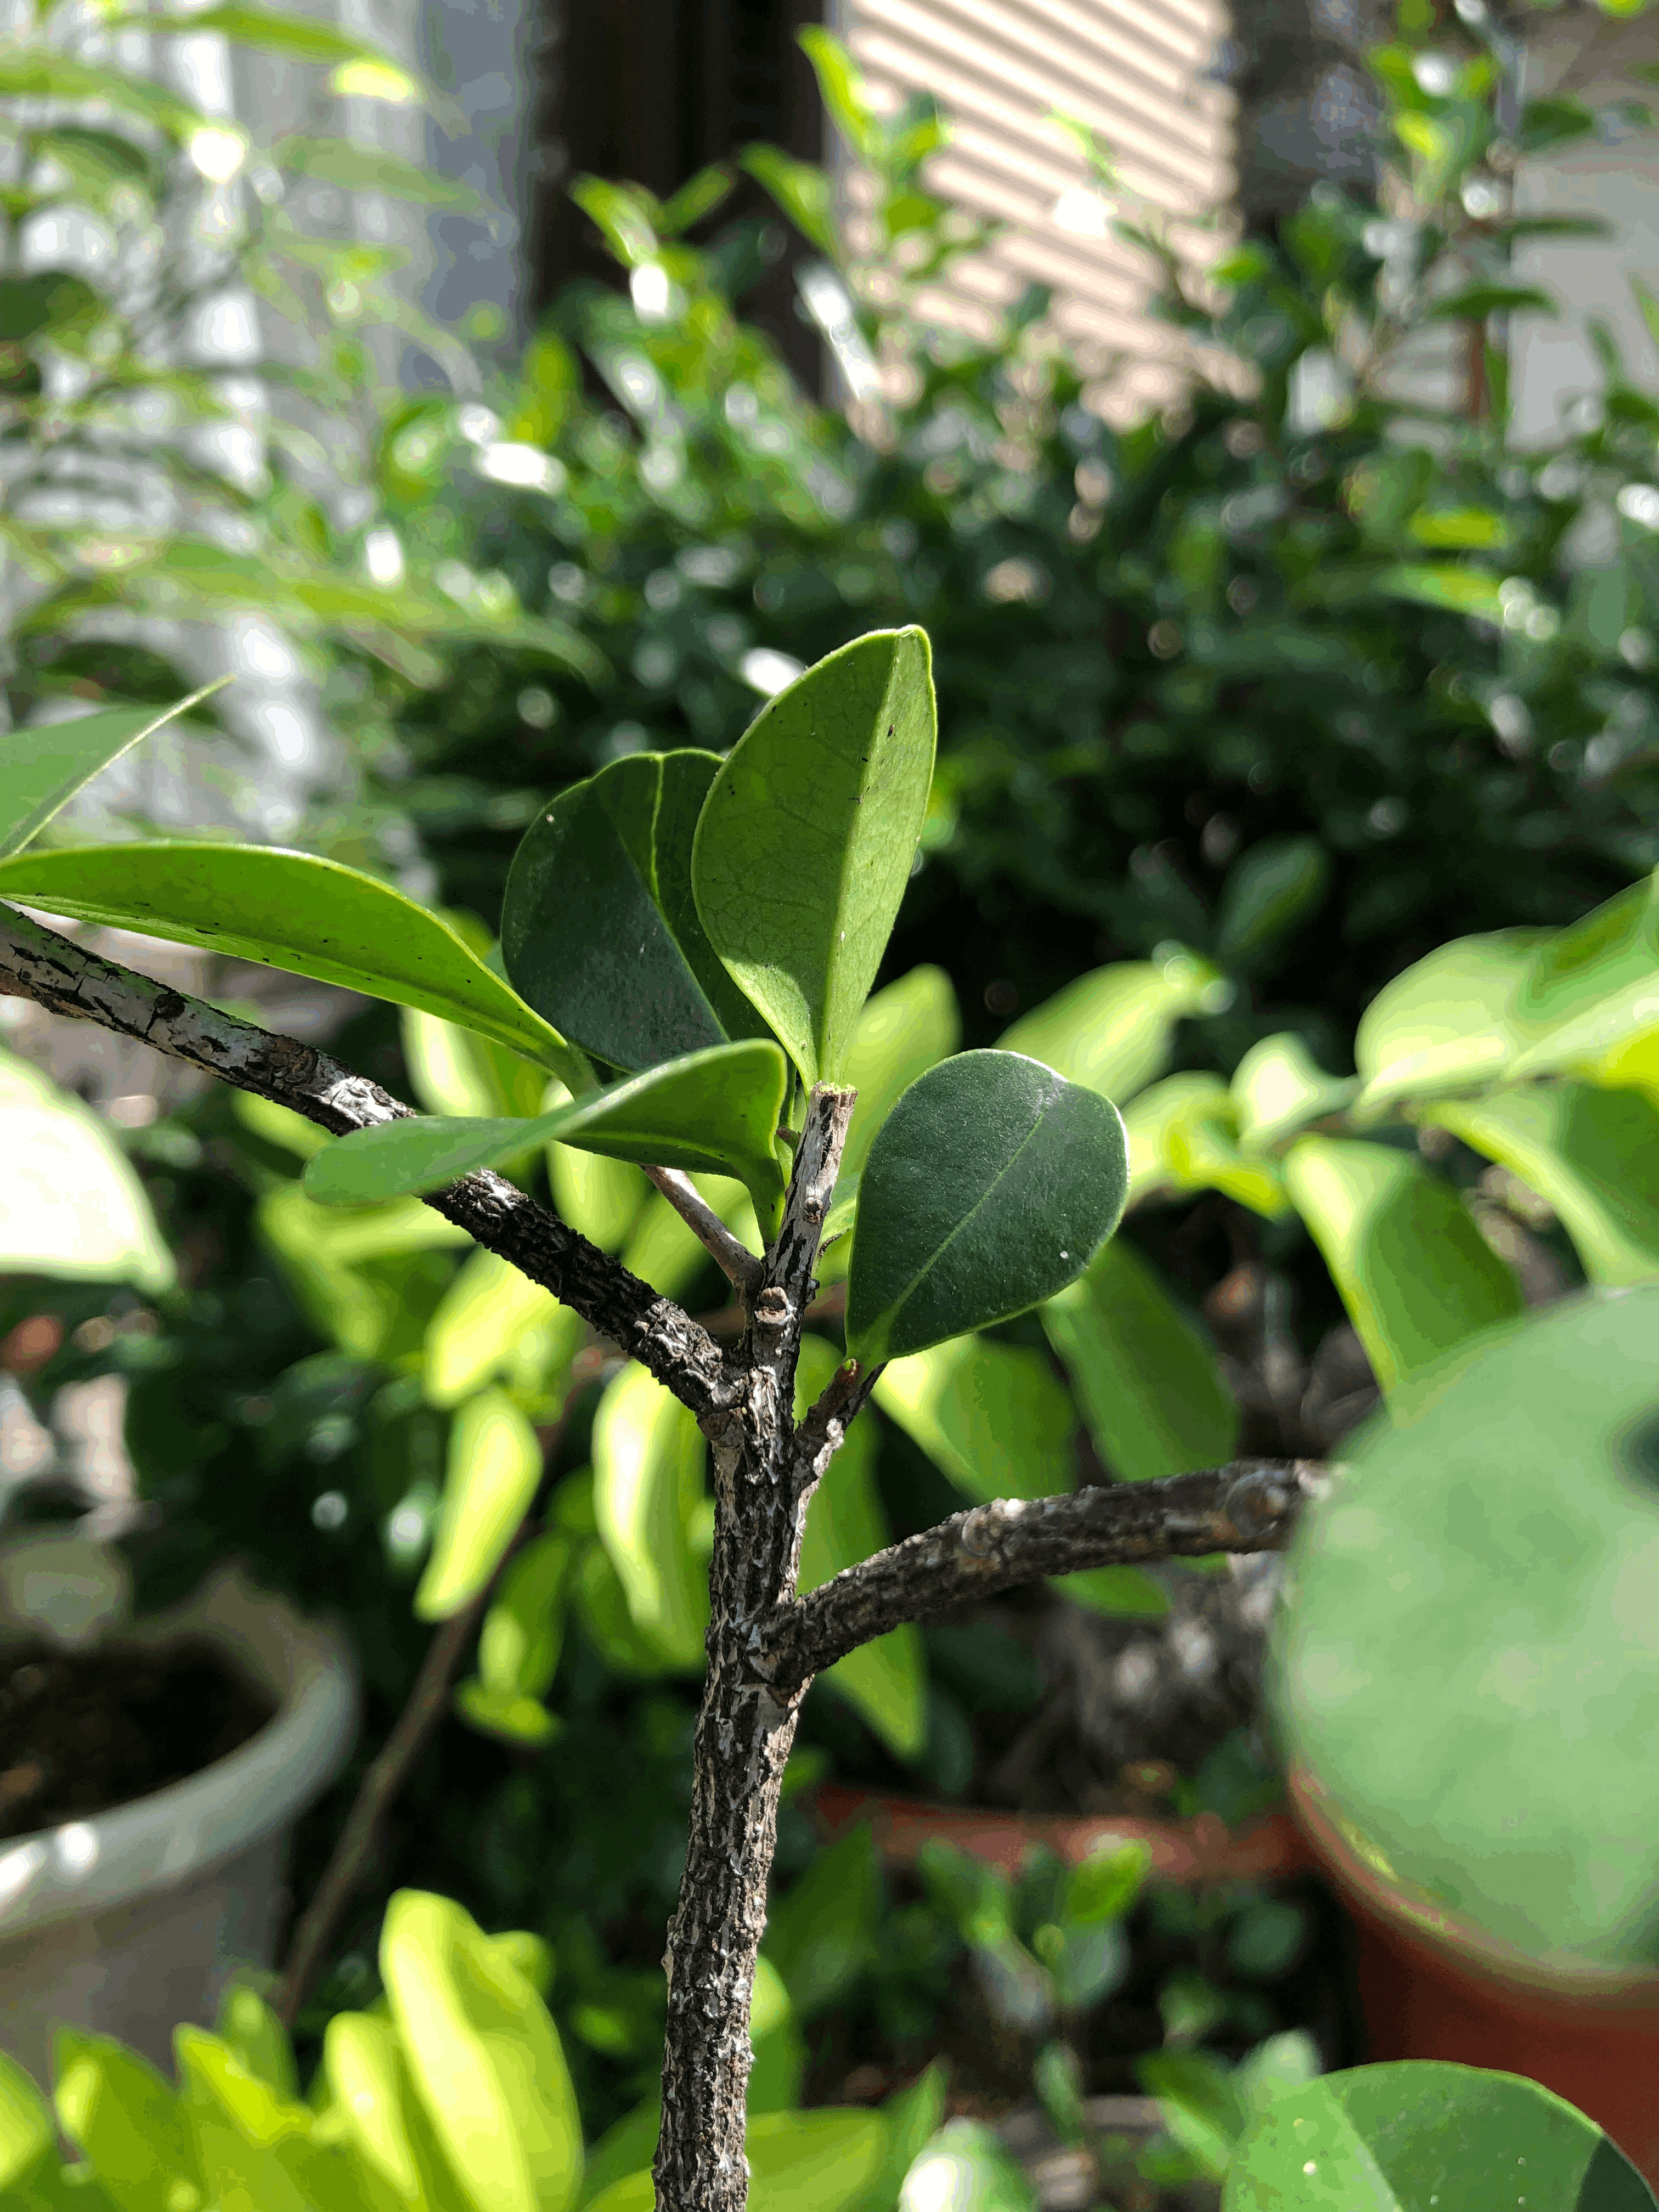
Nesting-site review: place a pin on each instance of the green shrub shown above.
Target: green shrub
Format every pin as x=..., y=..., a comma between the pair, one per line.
x=1167, y=655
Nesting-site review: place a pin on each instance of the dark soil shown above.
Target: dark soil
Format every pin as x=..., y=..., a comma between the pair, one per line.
x=82, y=1731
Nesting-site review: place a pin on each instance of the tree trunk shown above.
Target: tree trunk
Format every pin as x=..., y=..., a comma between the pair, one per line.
x=765, y=1475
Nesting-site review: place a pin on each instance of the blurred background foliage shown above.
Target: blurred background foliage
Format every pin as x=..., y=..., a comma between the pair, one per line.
x=1269, y=695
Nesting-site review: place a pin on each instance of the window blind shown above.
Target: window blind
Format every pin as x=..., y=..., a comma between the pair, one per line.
x=1135, y=72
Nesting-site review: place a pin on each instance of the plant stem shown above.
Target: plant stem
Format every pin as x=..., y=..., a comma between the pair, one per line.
x=740, y=1266
x=763, y=1478
x=1250, y=1506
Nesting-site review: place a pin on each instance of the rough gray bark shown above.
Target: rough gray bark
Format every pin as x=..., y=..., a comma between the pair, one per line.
x=36, y=962
x=763, y=1477
x=1250, y=1506
x=763, y=1644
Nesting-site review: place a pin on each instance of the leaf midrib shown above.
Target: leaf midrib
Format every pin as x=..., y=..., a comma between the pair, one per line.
x=989, y=1193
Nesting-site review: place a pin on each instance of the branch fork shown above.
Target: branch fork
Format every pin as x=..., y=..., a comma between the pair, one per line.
x=764, y=1644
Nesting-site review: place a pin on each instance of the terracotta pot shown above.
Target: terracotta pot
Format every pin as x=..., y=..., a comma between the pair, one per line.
x=1435, y=1986
x=1187, y=1853
x=133, y=1920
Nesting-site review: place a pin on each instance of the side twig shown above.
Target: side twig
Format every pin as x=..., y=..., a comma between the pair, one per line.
x=1251, y=1506
x=742, y=1268
x=36, y=962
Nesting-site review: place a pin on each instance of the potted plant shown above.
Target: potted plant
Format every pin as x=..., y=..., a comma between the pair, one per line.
x=123, y=1911
x=123, y=1908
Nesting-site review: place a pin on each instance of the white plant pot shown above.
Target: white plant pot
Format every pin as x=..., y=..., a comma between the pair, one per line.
x=133, y=1920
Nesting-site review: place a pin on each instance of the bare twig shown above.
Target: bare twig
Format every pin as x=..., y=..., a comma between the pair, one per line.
x=36, y=962
x=741, y=1268
x=743, y=1729
x=1251, y=1506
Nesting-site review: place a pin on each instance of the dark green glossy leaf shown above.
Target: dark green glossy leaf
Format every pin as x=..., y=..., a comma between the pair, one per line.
x=1415, y=1274
x=294, y=911
x=1146, y=1376
x=903, y=1032
x=43, y=765
x=1592, y=1154
x=600, y=922
x=688, y=777
x=712, y=1111
x=806, y=842
x=991, y=1186
x=1415, y=2136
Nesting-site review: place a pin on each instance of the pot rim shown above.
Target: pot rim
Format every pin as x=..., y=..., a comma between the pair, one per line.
x=1449, y=1941
x=1187, y=1853
x=176, y=1834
